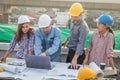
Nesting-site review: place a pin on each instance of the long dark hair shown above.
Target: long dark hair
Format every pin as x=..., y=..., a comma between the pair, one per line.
x=19, y=33
x=111, y=31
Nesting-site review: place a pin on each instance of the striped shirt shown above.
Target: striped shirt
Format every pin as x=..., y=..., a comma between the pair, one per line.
x=24, y=45
x=100, y=48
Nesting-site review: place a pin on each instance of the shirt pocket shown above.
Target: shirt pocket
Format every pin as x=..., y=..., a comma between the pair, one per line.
x=51, y=41
x=43, y=44
x=75, y=32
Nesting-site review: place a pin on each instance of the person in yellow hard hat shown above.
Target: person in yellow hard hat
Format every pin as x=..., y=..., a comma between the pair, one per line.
x=76, y=40
x=86, y=74
x=75, y=10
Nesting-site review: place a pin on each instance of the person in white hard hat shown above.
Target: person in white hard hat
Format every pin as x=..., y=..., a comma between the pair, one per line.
x=24, y=37
x=47, y=39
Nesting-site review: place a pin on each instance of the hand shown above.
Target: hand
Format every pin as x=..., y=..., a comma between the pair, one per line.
x=85, y=61
x=43, y=54
x=30, y=52
x=116, y=70
x=74, y=63
x=2, y=59
x=63, y=44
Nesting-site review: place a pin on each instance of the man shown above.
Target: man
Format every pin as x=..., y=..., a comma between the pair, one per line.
x=47, y=39
x=76, y=40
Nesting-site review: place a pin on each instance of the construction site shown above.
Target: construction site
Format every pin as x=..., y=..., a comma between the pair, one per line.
x=59, y=13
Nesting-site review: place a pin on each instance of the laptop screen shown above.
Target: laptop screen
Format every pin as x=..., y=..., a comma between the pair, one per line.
x=41, y=62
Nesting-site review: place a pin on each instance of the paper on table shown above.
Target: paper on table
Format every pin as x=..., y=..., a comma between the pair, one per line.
x=18, y=63
x=6, y=74
x=58, y=78
x=99, y=73
x=11, y=68
x=32, y=73
x=62, y=73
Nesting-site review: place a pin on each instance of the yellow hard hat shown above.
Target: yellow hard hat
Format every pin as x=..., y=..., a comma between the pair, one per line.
x=76, y=9
x=1, y=70
x=86, y=73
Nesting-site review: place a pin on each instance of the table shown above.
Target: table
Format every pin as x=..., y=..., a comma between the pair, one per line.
x=60, y=72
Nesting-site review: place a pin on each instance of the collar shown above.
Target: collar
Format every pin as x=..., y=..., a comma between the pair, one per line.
x=77, y=22
x=104, y=35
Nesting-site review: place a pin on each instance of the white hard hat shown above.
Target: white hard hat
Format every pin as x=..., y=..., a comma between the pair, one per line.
x=44, y=21
x=23, y=19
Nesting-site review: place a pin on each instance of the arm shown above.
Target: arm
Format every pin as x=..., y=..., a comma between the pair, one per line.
x=80, y=46
x=111, y=62
x=10, y=49
x=85, y=61
x=31, y=44
x=109, y=50
x=82, y=38
x=3, y=59
x=64, y=43
x=87, y=51
x=56, y=43
x=38, y=46
x=74, y=61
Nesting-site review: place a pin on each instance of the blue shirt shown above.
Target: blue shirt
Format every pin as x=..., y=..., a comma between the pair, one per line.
x=77, y=36
x=48, y=43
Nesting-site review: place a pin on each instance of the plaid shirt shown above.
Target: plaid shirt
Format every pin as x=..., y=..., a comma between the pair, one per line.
x=24, y=45
x=101, y=48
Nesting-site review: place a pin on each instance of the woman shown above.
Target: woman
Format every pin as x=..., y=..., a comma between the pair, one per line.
x=100, y=48
x=24, y=37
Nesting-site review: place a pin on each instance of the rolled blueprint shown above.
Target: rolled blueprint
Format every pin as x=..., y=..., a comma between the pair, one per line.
x=99, y=73
x=9, y=68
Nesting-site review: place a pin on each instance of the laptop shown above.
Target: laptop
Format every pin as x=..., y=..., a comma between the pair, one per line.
x=40, y=62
